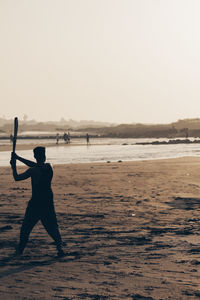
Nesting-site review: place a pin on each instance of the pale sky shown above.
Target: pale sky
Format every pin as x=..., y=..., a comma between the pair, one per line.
x=120, y=61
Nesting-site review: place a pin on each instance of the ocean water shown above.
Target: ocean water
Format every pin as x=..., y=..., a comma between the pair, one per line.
x=103, y=150
x=82, y=141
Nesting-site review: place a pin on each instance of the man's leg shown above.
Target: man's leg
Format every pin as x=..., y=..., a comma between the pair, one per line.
x=30, y=219
x=49, y=221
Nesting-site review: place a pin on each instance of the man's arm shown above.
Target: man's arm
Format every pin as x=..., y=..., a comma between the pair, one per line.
x=27, y=162
x=17, y=176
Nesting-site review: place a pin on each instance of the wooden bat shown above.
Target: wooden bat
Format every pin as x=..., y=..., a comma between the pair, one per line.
x=15, y=133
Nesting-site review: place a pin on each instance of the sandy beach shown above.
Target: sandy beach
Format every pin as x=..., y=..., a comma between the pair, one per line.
x=131, y=230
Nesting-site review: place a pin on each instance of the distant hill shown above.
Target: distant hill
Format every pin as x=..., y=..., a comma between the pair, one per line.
x=187, y=123
x=6, y=125
x=135, y=131
x=181, y=128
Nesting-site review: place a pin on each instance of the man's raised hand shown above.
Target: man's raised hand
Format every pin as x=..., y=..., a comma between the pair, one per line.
x=14, y=155
x=13, y=159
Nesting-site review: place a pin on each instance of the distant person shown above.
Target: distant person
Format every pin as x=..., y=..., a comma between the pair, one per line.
x=11, y=138
x=41, y=205
x=57, y=138
x=69, y=137
x=65, y=137
x=87, y=139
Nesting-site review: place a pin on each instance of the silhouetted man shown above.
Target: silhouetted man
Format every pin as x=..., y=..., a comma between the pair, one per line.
x=40, y=206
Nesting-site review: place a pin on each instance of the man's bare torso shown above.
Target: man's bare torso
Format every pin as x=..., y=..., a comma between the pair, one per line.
x=41, y=177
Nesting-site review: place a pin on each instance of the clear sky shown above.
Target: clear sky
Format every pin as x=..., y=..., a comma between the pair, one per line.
x=107, y=60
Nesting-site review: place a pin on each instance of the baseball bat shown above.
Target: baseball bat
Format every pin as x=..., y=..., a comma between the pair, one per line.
x=15, y=133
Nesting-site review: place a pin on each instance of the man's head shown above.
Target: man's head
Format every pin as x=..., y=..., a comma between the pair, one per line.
x=39, y=154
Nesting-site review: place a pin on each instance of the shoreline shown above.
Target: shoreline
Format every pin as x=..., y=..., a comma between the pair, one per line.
x=95, y=163
x=182, y=159
x=30, y=145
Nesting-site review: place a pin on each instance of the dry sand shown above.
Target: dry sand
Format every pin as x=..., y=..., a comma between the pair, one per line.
x=132, y=231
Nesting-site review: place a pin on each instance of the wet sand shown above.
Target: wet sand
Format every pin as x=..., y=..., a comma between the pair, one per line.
x=30, y=146
x=131, y=230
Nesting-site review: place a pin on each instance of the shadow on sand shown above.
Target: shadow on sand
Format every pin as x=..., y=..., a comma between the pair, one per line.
x=185, y=203
x=20, y=264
